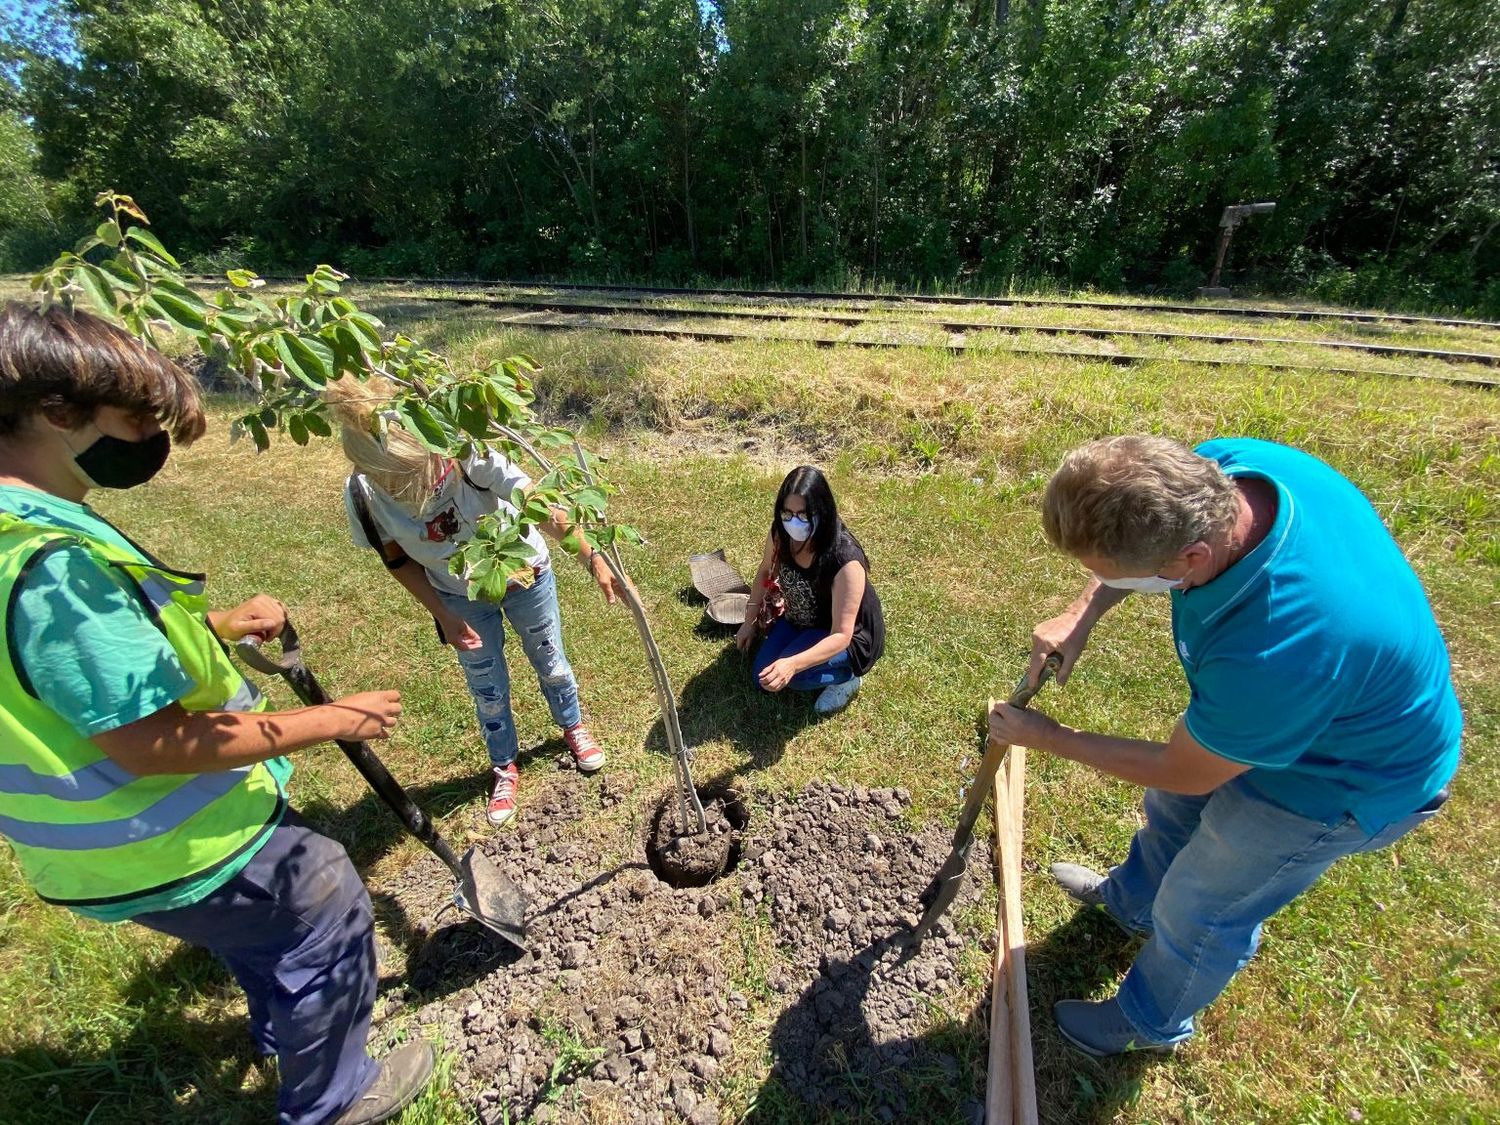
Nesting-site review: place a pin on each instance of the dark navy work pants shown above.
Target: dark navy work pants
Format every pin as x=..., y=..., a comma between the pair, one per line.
x=296, y=930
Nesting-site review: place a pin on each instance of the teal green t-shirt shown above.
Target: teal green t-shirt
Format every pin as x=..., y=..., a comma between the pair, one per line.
x=93, y=655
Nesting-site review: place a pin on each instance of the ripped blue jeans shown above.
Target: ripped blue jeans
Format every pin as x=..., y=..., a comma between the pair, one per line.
x=536, y=620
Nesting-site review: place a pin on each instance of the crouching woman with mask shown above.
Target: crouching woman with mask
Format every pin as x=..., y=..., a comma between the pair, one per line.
x=824, y=624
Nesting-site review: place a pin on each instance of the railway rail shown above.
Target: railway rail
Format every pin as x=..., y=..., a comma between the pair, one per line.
x=851, y=299
x=967, y=326
x=957, y=342
x=957, y=347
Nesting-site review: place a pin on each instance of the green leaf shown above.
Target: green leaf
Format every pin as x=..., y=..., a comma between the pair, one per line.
x=317, y=424
x=143, y=237
x=257, y=430
x=300, y=361
x=297, y=429
x=96, y=284
x=368, y=328
x=601, y=537
x=591, y=497
x=122, y=275
x=324, y=353
x=422, y=425
x=109, y=234
x=179, y=312
x=492, y=589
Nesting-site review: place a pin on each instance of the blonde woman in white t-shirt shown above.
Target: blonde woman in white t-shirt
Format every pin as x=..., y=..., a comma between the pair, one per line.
x=416, y=509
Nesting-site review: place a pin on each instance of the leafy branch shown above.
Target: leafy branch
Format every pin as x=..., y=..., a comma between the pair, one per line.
x=287, y=349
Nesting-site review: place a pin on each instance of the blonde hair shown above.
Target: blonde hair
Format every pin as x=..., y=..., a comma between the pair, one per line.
x=1136, y=500
x=397, y=464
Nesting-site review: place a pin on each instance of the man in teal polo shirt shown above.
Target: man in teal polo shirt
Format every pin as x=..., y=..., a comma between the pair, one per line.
x=1322, y=720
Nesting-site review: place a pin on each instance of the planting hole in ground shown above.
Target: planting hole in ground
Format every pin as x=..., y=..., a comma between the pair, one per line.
x=698, y=858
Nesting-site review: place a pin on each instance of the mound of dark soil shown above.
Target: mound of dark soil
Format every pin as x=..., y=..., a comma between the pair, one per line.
x=697, y=859
x=625, y=1010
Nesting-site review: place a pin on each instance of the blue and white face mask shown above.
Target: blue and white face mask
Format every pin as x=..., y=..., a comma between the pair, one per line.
x=798, y=529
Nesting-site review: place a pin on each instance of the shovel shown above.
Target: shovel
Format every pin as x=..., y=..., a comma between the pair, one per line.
x=484, y=892
x=950, y=877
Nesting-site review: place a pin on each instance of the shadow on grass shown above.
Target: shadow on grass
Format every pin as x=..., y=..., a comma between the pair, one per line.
x=440, y=959
x=828, y=1068
x=723, y=702
x=166, y=1064
x=1077, y=960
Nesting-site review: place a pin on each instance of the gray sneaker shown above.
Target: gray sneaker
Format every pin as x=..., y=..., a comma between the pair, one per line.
x=835, y=697
x=1101, y=1029
x=1085, y=885
x=403, y=1074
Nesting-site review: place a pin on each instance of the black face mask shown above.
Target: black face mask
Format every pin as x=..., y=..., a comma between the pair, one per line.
x=113, y=462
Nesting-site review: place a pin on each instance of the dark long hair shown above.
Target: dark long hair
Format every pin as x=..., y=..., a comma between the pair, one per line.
x=810, y=484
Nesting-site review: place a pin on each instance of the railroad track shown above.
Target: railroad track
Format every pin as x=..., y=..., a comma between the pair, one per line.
x=856, y=299
x=964, y=326
x=957, y=347
x=956, y=343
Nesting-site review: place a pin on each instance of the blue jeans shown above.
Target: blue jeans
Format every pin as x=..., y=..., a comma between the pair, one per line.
x=1201, y=877
x=296, y=930
x=785, y=639
x=537, y=621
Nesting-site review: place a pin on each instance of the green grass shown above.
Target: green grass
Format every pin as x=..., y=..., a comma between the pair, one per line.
x=1376, y=992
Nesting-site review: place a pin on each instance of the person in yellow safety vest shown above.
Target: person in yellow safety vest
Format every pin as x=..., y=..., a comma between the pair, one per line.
x=141, y=777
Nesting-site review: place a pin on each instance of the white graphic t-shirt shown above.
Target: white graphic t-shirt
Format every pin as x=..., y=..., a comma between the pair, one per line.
x=485, y=485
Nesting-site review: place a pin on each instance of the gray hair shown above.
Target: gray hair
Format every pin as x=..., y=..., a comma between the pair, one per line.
x=1136, y=500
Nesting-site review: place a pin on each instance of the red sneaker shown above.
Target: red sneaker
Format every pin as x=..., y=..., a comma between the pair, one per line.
x=587, y=753
x=503, y=794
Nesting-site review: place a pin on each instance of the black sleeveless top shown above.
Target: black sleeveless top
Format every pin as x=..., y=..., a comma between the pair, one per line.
x=809, y=599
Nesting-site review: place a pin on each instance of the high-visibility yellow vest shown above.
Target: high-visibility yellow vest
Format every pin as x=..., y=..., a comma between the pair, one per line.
x=88, y=832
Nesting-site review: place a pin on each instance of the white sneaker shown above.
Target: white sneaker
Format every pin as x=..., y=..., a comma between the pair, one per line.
x=835, y=697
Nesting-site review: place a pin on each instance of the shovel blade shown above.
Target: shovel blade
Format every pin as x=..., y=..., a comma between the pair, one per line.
x=491, y=898
x=938, y=896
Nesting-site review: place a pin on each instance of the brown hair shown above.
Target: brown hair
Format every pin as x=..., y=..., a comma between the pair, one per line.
x=1136, y=500
x=68, y=363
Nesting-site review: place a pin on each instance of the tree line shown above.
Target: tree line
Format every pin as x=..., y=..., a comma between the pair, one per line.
x=912, y=142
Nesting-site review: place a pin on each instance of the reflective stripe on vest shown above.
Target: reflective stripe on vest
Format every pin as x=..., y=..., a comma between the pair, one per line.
x=188, y=799
x=99, y=779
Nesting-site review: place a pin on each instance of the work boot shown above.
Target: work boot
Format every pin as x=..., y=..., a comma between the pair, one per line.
x=1101, y=1029
x=1085, y=885
x=402, y=1075
x=588, y=755
x=503, y=794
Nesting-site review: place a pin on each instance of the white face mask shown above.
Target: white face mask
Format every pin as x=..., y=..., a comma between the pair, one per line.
x=798, y=529
x=1153, y=584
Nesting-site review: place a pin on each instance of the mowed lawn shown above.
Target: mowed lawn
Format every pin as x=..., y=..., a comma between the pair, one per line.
x=1376, y=997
